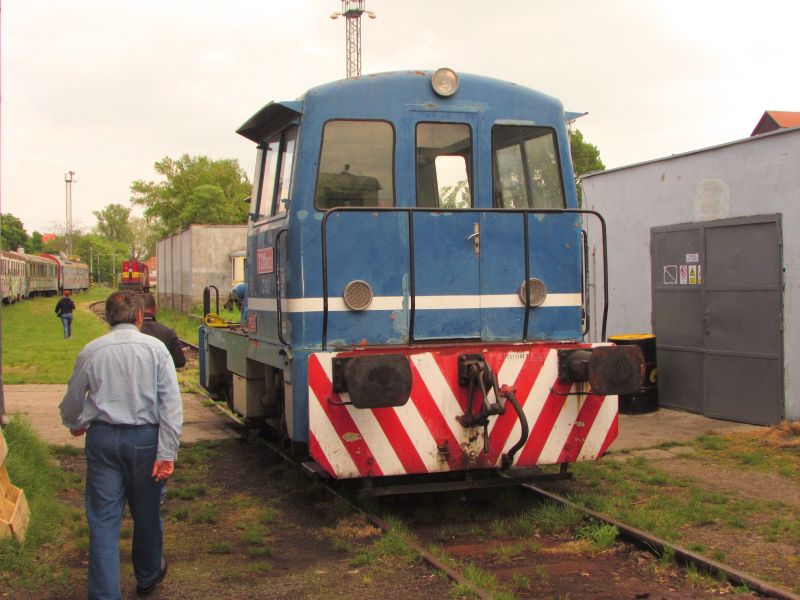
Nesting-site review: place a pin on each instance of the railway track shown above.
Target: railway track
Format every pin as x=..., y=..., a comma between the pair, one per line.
x=469, y=536
x=470, y=548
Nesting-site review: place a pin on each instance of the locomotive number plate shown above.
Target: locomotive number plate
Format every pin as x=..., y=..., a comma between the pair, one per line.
x=264, y=261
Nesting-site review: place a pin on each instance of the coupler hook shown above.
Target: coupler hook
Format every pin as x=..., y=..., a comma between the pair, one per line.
x=475, y=373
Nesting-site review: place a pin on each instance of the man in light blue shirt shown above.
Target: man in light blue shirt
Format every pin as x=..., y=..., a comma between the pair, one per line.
x=124, y=395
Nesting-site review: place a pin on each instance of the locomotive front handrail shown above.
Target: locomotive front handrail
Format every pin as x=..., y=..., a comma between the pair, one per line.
x=276, y=249
x=585, y=282
x=412, y=290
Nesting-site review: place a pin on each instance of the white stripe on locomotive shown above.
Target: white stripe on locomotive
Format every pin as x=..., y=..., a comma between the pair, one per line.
x=457, y=302
x=599, y=430
x=368, y=427
x=329, y=441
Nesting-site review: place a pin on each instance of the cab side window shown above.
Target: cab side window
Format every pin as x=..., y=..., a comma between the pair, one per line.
x=285, y=171
x=356, y=165
x=272, y=180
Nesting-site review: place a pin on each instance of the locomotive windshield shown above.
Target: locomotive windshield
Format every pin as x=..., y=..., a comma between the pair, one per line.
x=356, y=165
x=444, y=164
x=526, y=169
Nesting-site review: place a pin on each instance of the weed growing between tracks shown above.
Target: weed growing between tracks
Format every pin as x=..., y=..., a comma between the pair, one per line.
x=734, y=498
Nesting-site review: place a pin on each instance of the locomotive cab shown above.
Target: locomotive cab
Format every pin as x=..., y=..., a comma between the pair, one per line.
x=415, y=283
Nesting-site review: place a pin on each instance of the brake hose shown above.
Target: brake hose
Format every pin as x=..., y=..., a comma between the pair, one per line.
x=508, y=459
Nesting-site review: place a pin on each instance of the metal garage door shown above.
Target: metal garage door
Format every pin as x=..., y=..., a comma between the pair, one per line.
x=717, y=316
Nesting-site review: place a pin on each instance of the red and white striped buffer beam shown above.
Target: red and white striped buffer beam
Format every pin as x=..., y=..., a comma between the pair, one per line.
x=423, y=435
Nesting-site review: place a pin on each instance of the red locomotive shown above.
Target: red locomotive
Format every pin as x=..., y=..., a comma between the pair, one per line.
x=135, y=276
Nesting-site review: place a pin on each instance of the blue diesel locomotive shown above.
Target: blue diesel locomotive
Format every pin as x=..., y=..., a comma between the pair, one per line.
x=415, y=284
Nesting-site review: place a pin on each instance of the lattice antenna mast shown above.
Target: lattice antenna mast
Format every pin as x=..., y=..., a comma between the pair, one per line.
x=352, y=11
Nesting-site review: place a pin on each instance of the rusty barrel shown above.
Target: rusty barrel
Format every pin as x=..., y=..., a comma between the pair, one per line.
x=646, y=400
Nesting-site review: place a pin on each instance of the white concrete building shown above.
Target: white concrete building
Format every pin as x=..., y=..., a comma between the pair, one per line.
x=194, y=258
x=703, y=252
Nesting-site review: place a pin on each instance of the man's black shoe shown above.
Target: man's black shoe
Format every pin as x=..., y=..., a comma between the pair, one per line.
x=146, y=591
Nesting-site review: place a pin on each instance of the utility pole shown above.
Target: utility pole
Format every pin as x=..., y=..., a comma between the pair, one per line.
x=68, y=179
x=3, y=418
x=352, y=11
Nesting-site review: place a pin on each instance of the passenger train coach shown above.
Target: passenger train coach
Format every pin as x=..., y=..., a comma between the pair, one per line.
x=24, y=275
x=415, y=284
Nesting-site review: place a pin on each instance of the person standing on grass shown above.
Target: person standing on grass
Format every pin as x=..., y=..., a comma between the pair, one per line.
x=152, y=327
x=64, y=309
x=123, y=394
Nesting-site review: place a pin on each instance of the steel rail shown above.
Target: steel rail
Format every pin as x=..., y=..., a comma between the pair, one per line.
x=655, y=544
x=191, y=345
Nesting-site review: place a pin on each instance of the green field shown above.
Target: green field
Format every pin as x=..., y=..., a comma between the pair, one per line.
x=34, y=348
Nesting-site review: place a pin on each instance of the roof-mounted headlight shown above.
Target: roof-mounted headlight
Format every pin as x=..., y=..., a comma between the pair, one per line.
x=445, y=82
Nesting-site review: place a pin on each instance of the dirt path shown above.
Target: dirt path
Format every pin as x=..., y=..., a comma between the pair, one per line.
x=238, y=525
x=39, y=404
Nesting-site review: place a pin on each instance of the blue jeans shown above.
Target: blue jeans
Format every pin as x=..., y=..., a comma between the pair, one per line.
x=119, y=462
x=66, y=320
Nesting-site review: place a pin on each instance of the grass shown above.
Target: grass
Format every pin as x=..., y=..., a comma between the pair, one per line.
x=209, y=513
x=34, y=348
x=190, y=492
x=649, y=499
x=601, y=535
x=505, y=554
x=770, y=451
x=393, y=543
x=32, y=468
x=547, y=517
x=35, y=351
x=186, y=325
x=222, y=547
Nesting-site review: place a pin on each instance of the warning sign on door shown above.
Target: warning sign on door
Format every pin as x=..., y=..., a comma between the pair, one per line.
x=692, y=274
x=684, y=277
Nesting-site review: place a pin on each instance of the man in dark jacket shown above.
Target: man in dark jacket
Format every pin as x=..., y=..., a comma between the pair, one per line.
x=160, y=331
x=123, y=394
x=64, y=310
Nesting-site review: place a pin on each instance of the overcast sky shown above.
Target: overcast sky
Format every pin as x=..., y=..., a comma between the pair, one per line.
x=107, y=87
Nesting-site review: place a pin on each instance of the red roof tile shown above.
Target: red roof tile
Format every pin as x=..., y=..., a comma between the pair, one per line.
x=776, y=119
x=785, y=119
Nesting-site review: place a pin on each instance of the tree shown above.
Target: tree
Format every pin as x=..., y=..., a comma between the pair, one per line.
x=585, y=157
x=106, y=256
x=143, y=238
x=195, y=189
x=12, y=232
x=36, y=243
x=455, y=196
x=112, y=223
